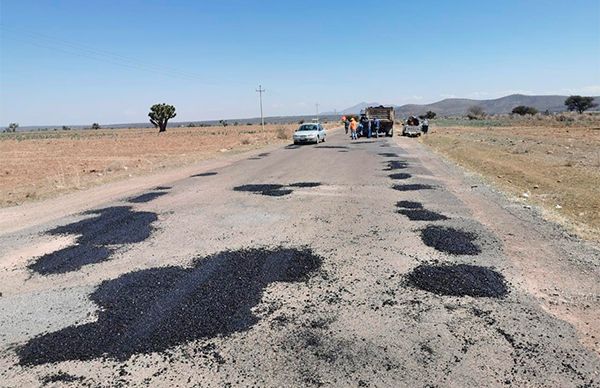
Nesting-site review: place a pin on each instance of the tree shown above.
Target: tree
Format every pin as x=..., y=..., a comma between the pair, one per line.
x=524, y=110
x=95, y=126
x=223, y=123
x=12, y=127
x=429, y=115
x=160, y=114
x=579, y=103
x=475, y=112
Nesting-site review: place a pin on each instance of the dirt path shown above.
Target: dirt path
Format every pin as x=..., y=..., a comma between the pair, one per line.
x=367, y=263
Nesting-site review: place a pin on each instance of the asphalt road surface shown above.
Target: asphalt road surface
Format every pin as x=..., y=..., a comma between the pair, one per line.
x=364, y=263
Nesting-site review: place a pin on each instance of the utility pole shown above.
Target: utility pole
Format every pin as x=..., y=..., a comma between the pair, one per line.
x=260, y=91
x=317, y=105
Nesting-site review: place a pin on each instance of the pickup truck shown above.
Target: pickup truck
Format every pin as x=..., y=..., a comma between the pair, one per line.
x=412, y=127
x=385, y=114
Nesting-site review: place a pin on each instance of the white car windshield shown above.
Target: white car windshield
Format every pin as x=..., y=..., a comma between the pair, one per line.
x=308, y=127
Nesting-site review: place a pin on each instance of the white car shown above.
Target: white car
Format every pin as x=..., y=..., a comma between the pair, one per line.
x=309, y=133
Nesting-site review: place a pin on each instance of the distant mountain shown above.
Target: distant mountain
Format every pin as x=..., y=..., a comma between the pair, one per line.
x=459, y=106
x=353, y=109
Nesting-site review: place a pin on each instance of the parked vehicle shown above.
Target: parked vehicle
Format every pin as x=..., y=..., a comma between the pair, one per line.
x=412, y=127
x=309, y=133
x=386, y=117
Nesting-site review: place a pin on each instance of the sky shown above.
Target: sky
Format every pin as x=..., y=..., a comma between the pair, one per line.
x=76, y=62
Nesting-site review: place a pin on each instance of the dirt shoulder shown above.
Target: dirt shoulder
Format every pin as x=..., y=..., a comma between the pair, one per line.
x=555, y=168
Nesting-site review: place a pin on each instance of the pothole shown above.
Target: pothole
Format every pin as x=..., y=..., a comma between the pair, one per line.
x=305, y=184
x=413, y=187
x=396, y=165
x=146, y=197
x=203, y=174
x=97, y=237
x=422, y=215
x=459, y=280
x=155, y=309
x=409, y=205
x=450, y=240
x=400, y=175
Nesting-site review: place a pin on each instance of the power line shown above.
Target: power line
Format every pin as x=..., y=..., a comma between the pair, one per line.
x=260, y=91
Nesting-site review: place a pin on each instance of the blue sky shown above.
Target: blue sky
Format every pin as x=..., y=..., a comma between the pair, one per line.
x=78, y=62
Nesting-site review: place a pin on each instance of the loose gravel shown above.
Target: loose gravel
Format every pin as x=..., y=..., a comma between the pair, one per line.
x=450, y=240
x=147, y=197
x=155, y=309
x=96, y=239
x=400, y=175
x=413, y=187
x=203, y=174
x=459, y=280
x=422, y=215
x=409, y=205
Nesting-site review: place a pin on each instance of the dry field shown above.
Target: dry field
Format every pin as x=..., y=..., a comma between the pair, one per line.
x=38, y=165
x=552, y=163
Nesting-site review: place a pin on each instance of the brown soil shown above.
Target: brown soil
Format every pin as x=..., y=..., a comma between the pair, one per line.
x=557, y=169
x=38, y=165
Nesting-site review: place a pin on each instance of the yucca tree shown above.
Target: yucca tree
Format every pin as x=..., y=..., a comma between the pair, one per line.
x=160, y=115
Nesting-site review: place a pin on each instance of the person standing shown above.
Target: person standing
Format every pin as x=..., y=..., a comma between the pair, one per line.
x=376, y=126
x=353, y=127
x=346, y=123
x=425, y=126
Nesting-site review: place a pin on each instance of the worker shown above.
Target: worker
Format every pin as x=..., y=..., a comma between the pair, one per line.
x=365, y=125
x=425, y=126
x=346, y=123
x=353, y=128
x=376, y=126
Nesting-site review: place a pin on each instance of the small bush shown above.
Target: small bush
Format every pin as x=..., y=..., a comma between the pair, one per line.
x=282, y=134
x=245, y=141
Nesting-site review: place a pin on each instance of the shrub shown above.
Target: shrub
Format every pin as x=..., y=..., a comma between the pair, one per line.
x=282, y=134
x=524, y=110
x=475, y=112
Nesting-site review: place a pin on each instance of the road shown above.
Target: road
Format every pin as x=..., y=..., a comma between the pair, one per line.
x=365, y=263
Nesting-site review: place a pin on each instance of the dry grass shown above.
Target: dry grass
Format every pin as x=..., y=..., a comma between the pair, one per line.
x=554, y=165
x=38, y=165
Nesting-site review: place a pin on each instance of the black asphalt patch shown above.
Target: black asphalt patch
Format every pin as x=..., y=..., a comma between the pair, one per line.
x=263, y=154
x=400, y=175
x=163, y=188
x=97, y=237
x=203, y=174
x=396, y=165
x=70, y=259
x=257, y=188
x=277, y=192
x=409, y=205
x=305, y=184
x=459, y=280
x=422, y=215
x=388, y=154
x=155, y=309
x=61, y=377
x=413, y=187
x=147, y=197
x=450, y=240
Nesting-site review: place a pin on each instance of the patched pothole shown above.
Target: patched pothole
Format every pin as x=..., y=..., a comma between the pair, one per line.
x=450, y=240
x=413, y=187
x=459, y=280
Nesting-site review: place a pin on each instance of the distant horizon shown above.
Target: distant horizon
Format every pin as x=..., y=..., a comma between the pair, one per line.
x=85, y=62
x=255, y=118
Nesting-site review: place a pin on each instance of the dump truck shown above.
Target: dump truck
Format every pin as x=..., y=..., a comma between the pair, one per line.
x=385, y=114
